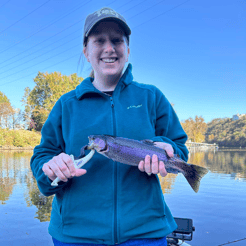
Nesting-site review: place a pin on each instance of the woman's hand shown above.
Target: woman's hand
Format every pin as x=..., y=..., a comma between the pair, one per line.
x=156, y=166
x=61, y=166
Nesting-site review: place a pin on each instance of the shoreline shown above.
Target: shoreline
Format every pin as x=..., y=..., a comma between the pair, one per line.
x=188, y=147
x=15, y=148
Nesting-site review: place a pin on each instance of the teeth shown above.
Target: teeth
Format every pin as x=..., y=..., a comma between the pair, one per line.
x=109, y=60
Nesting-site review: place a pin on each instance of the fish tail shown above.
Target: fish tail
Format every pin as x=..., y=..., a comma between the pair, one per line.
x=194, y=175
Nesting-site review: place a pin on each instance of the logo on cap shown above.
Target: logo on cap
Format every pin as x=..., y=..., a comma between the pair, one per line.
x=107, y=12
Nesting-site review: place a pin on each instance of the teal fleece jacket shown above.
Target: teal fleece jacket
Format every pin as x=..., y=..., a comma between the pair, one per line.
x=112, y=202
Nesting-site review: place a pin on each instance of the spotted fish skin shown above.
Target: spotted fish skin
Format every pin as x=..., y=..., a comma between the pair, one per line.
x=131, y=152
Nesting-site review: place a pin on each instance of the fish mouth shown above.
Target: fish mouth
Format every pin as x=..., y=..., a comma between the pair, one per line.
x=105, y=149
x=98, y=146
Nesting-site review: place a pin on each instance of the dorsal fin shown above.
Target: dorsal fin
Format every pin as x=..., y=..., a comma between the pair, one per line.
x=110, y=136
x=148, y=141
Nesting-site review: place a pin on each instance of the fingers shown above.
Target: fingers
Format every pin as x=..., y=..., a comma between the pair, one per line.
x=167, y=147
x=79, y=172
x=69, y=163
x=162, y=169
x=144, y=166
x=155, y=164
x=48, y=172
x=152, y=166
x=141, y=166
x=147, y=166
x=170, y=151
x=61, y=166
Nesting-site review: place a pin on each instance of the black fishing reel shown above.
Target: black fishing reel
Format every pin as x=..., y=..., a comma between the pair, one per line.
x=184, y=232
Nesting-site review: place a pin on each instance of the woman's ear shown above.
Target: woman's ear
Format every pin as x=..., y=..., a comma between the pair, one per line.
x=86, y=53
x=128, y=53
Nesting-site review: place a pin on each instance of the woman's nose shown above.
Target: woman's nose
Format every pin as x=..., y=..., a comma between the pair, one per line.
x=109, y=47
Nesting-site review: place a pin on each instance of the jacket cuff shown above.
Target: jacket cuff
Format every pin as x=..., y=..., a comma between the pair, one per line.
x=44, y=184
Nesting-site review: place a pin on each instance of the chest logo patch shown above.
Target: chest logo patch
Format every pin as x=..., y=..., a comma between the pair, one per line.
x=133, y=106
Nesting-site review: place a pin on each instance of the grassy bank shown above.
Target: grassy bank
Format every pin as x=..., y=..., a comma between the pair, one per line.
x=19, y=138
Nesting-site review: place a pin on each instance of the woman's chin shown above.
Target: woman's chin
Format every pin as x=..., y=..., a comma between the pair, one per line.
x=111, y=72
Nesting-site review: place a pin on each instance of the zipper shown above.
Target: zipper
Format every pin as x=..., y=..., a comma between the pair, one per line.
x=112, y=106
x=115, y=177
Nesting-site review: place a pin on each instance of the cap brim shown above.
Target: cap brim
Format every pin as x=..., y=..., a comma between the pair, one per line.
x=122, y=23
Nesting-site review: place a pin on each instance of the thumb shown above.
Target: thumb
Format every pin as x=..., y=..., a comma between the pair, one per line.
x=169, y=152
x=80, y=172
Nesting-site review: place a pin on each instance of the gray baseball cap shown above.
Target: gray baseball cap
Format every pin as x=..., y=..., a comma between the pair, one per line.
x=102, y=14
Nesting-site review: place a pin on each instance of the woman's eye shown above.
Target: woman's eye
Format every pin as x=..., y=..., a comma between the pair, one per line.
x=100, y=41
x=117, y=40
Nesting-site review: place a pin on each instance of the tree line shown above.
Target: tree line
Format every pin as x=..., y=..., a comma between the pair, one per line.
x=49, y=87
x=227, y=132
x=38, y=102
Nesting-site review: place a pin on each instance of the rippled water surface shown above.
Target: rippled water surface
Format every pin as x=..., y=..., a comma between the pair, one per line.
x=217, y=210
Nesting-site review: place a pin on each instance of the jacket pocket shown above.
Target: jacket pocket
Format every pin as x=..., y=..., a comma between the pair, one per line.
x=56, y=219
x=61, y=203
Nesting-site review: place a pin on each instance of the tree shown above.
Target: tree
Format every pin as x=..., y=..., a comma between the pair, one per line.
x=195, y=129
x=40, y=100
x=3, y=98
x=6, y=110
x=28, y=108
x=16, y=119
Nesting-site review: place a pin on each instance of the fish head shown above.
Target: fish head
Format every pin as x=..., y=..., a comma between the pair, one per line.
x=98, y=142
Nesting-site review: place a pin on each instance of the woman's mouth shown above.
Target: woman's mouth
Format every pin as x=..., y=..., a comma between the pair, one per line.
x=109, y=60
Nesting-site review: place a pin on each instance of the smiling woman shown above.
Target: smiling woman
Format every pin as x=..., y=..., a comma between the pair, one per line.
x=109, y=203
x=107, y=50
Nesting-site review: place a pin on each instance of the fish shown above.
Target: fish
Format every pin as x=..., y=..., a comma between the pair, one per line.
x=131, y=152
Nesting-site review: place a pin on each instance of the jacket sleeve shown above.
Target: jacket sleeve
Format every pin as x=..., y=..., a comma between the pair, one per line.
x=168, y=128
x=52, y=144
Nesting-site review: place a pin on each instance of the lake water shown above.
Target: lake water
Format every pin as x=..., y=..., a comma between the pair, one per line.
x=218, y=210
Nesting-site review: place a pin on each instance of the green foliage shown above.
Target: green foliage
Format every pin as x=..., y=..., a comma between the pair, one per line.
x=49, y=88
x=227, y=132
x=3, y=98
x=19, y=138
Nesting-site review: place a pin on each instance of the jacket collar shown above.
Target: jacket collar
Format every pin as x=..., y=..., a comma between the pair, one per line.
x=86, y=85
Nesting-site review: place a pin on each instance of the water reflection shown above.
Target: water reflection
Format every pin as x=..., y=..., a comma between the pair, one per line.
x=6, y=188
x=15, y=173
x=10, y=173
x=226, y=162
x=167, y=183
x=43, y=204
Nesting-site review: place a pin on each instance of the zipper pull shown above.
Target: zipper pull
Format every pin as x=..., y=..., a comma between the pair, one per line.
x=111, y=101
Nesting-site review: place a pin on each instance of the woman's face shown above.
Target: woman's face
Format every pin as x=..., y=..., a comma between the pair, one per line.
x=107, y=49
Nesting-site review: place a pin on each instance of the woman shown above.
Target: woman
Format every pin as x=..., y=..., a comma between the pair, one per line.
x=108, y=203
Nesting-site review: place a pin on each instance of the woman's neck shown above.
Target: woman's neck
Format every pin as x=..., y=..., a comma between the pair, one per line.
x=106, y=83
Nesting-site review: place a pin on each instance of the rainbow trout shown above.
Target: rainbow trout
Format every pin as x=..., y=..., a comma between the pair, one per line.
x=131, y=152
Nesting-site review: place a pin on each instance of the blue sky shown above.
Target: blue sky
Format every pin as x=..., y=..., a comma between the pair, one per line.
x=193, y=51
